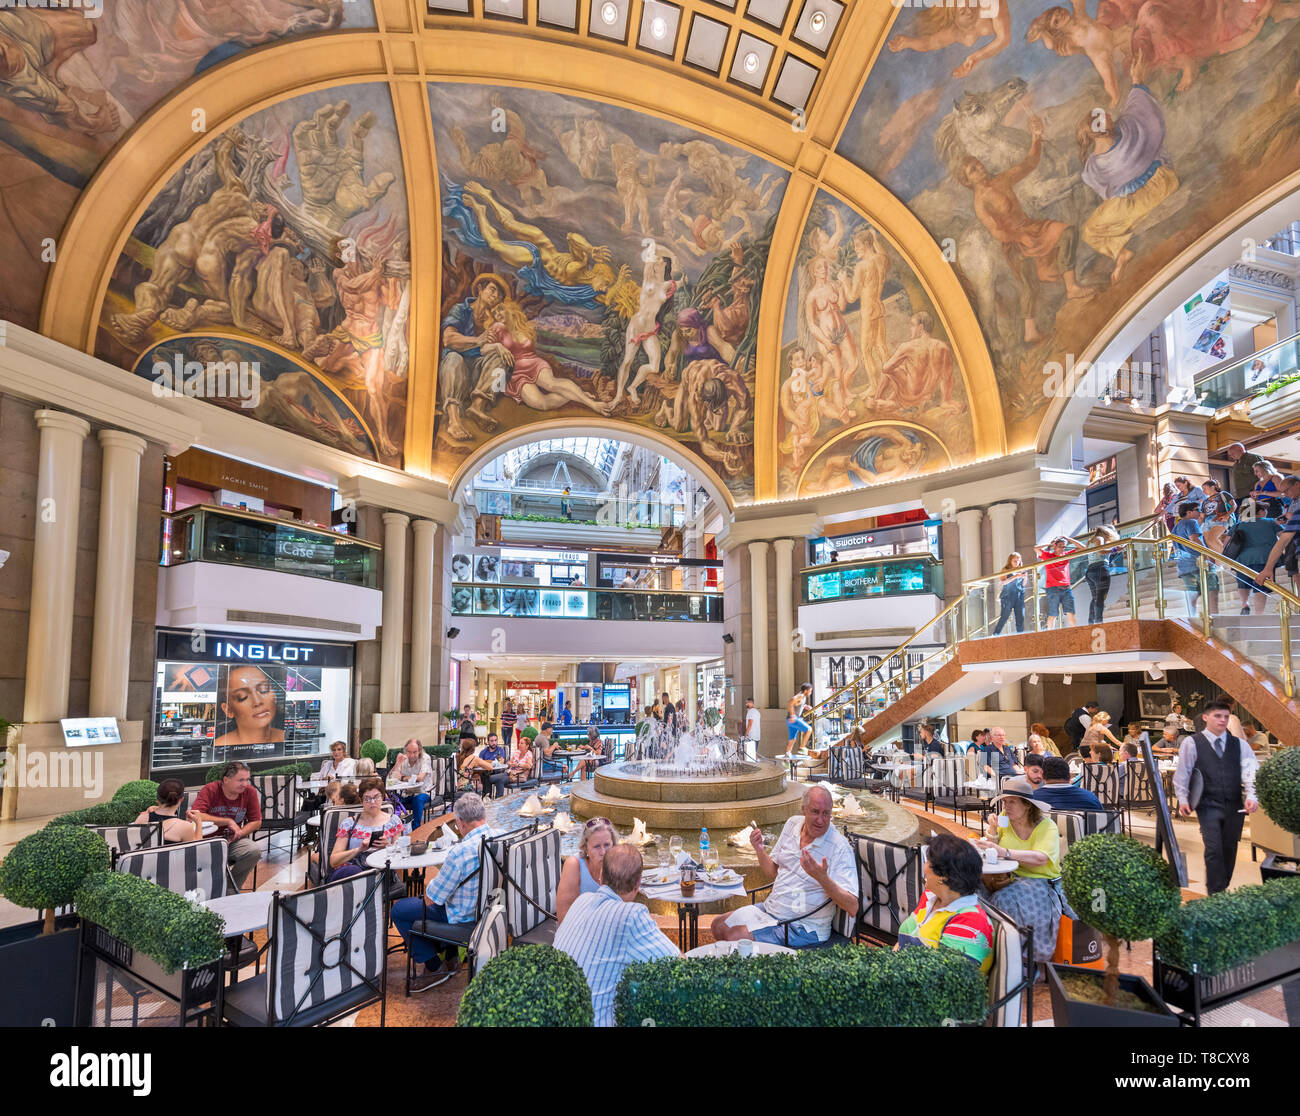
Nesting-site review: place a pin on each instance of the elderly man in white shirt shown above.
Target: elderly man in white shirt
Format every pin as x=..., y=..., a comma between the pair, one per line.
x=812, y=866
x=415, y=765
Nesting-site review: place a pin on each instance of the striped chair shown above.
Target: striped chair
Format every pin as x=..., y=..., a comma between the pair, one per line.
x=330, y=820
x=280, y=813
x=326, y=958
x=1103, y=780
x=189, y=866
x=490, y=934
x=848, y=768
x=946, y=779
x=531, y=876
x=889, y=880
x=127, y=838
x=1075, y=824
x=842, y=923
x=1139, y=789
x=1011, y=981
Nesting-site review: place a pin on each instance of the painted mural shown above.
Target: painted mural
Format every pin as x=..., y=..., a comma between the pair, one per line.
x=862, y=347
x=1062, y=156
x=290, y=230
x=597, y=263
x=74, y=80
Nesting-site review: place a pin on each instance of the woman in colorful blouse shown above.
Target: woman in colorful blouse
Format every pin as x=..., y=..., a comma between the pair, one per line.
x=364, y=832
x=949, y=913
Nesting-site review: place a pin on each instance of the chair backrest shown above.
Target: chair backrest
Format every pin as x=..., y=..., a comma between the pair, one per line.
x=330, y=820
x=490, y=935
x=1139, y=788
x=532, y=876
x=327, y=946
x=889, y=879
x=946, y=774
x=493, y=858
x=1074, y=824
x=278, y=794
x=127, y=838
x=190, y=866
x=1103, y=780
x=1013, y=970
x=444, y=776
x=846, y=762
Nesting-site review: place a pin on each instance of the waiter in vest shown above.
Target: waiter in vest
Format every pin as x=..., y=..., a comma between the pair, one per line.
x=1216, y=778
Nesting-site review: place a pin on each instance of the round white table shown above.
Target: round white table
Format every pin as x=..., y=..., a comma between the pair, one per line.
x=688, y=906
x=242, y=912
x=400, y=861
x=725, y=949
x=314, y=784
x=314, y=821
x=409, y=784
x=209, y=828
x=999, y=868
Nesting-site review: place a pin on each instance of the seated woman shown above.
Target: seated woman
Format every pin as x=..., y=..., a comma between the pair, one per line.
x=365, y=768
x=364, y=832
x=520, y=765
x=949, y=913
x=175, y=829
x=335, y=794
x=469, y=765
x=591, y=762
x=583, y=872
x=1030, y=838
x=1049, y=745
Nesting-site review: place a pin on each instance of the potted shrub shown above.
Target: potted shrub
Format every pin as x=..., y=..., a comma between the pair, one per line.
x=375, y=750
x=527, y=986
x=1278, y=403
x=38, y=962
x=530, y=733
x=1277, y=784
x=1128, y=893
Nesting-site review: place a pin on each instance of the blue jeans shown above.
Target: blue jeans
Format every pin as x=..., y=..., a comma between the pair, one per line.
x=1013, y=601
x=416, y=804
x=406, y=912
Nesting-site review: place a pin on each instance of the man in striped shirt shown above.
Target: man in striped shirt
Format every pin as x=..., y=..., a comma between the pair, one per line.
x=606, y=930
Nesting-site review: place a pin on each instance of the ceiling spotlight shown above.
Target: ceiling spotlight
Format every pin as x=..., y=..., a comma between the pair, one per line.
x=1067, y=678
x=609, y=12
x=659, y=27
x=1033, y=679
x=751, y=62
x=997, y=678
x=452, y=633
x=818, y=22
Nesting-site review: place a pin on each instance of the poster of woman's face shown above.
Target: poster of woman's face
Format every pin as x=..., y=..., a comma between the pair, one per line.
x=250, y=705
x=461, y=565
x=487, y=568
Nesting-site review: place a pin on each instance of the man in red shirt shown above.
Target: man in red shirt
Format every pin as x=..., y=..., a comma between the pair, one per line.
x=1060, y=597
x=235, y=807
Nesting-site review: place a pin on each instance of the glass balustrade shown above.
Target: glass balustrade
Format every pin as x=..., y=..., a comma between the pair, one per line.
x=1249, y=376
x=558, y=602
x=238, y=538
x=879, y=577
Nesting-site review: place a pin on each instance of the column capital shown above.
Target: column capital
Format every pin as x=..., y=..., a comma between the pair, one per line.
x=782, y=546
x=120, y=439
x=419, y=526
x=758, y=548
x=396, y=519
x=1005, y=507
x=973, y=514
x=61, y=420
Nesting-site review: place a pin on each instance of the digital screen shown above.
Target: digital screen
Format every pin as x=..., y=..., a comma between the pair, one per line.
x=87, y=732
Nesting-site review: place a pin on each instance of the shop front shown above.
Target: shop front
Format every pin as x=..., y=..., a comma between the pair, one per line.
x=248, y=696
x=711, y=686
x=881, y=674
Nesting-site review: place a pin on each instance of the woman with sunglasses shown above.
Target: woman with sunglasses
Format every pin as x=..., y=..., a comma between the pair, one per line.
x=364, y=832
x=585, y=871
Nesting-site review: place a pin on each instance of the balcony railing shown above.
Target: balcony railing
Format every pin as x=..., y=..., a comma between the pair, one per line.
x=238, y=538
x=895, y=576
x=558, y=602
x=1250, y=375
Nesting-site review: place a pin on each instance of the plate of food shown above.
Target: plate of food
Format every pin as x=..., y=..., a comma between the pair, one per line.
x=659, y=877
x=722, y=877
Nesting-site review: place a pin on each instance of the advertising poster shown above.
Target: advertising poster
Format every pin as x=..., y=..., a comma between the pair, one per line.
x=1206, y=339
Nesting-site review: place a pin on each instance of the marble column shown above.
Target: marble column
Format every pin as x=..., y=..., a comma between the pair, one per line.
x=1002, y=518
x=970, y=560
x=119, y=499
x=758, y=622
x=390, y=650
x=784, y=616
x=422, y=614
x=54, y=565
x=686, y=675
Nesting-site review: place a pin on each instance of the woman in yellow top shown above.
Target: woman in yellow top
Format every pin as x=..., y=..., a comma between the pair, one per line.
x=1031, y=839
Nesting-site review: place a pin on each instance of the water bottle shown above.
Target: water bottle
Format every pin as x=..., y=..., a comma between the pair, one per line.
x=704, y=843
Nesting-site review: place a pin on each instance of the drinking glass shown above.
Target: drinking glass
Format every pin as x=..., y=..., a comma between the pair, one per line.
x=665, y=859
x=675, y=848
x=711, y=860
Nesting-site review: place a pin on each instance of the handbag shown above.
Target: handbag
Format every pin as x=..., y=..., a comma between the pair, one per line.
x=1235, y=545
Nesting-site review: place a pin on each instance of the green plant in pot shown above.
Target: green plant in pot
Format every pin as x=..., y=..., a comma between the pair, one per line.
x=1124, y=889
x=375, y=750
x=530, y=733
x=1277, y=786
x=528, y=986
x=45, y=868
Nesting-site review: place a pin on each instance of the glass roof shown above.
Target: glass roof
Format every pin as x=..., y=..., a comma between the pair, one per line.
x=600, y=453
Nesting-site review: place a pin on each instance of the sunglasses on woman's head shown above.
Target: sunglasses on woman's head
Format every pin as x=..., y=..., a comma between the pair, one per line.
x=600, y=821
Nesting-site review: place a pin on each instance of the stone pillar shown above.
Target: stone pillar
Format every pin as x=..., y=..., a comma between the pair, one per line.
x=54, y=566
x=422, y=614
x=119, y=496
x=686, y=675
x=1182, y=448
x=784, y=616
x=390, y=651
x=969, y=555
x=1002, y=517
x=758, y=622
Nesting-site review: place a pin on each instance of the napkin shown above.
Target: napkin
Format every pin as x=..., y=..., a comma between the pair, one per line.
x=553, y=794
x=449, y=836
x=852, y=807
x=531, y=808
x=741, y=838
x=638, y=834
x=563, y=822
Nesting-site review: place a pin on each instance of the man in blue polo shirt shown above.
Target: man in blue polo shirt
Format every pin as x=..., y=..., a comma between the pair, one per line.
x=1290, y=488
x=1057, y=792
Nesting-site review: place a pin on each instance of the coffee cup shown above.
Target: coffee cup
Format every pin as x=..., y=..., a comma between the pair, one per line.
x=990, y=856
x=745, y=947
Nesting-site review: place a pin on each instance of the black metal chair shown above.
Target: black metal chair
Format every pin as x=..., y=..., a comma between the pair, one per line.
x=848, y=768
x=490, y=936
x=890, y=882
x=127, y=838
x=1075, y=824
x=948, y=776
x=531, y=875
x=326, y=958
x=1139, y=790
x=1103, y=780
x=842, y=923
x=280, y=812
x=330, y=819
x=1011, y=980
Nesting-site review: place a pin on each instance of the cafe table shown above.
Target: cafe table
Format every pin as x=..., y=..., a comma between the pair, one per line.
x=726, y=949
x=242, y=912
x=567, y=754
x=688, y=906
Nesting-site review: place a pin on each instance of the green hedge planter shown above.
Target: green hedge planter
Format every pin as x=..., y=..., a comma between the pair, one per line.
x=530, y=732
x=143, y=793
x=844, y=986
x=103, y=813
x=1277, y=783
x=528, y=986
x=302, y=770
x=45, y=869
x=1213, y=934
x=151, y=919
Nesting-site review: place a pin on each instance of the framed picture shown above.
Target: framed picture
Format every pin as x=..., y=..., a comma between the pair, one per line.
x=1154, y=703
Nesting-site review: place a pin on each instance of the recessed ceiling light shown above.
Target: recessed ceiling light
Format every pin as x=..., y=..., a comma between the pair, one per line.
x=658, y=27
x=609, y=12
x=751, y=62
x=818, y=21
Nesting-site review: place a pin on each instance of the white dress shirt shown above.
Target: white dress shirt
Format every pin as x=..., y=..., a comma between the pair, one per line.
x=346, y=769
x=422, y=772
x=794, y=892
x=1187, y=762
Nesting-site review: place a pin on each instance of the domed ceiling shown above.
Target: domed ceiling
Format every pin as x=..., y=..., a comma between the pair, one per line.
x=813, y=246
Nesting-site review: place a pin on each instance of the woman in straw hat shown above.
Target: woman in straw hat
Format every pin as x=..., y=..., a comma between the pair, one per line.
x=1027, y=835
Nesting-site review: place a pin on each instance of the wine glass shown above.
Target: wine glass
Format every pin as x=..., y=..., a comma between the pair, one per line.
x=711, y=860
x=675, y=848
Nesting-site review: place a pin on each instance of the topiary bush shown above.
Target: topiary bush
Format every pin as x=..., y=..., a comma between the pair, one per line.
x=1124, y=889
x=142, y=793
x=165, y=926
x=102, y=813
x=45, y=868
x=302, y=770
x=844, y=986
x=1213, y=934
x=1277, y=785
x=375, y=750
x=441, y=751
x=528, y=986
